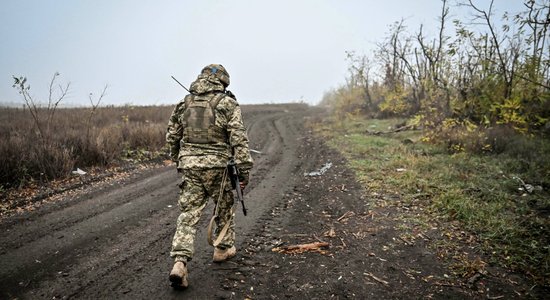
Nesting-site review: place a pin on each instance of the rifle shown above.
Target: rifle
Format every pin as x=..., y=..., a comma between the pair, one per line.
x=235, y=184
x=181, y=84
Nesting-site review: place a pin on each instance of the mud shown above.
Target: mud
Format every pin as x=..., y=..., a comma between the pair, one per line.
x=113, y=240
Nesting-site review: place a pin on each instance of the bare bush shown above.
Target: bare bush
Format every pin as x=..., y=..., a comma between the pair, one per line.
x=489, y=72
x=109, y=142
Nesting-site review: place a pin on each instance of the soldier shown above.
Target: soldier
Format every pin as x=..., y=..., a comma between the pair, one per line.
x=204, y=131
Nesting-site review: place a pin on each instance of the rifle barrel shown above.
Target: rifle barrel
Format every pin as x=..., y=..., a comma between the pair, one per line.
x=181, y=84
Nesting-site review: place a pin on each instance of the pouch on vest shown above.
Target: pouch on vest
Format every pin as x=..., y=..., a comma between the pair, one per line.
x=199, y=119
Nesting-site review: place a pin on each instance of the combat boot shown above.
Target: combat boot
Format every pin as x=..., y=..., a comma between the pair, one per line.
x=178, y=276
x=224, y=254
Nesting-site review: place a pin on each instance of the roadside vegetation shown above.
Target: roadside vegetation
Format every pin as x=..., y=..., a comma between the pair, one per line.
x=459, y=126
x=502, y=199
x=42, y=142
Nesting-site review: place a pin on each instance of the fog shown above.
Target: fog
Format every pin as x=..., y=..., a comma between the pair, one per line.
x=275, y=51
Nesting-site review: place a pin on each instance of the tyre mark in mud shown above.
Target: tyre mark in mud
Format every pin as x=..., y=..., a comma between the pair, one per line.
x=270, y=150
x=82, y=209
x=141, y=249
x=65, y=243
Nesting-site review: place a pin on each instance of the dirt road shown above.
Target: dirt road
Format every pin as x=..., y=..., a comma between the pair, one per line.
x=112, y=241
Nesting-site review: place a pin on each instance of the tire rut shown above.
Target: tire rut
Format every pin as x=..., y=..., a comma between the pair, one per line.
x=69, y=215
x=64, y=244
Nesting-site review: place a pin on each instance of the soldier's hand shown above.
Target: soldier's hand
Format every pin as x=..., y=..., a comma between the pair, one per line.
x=243, y=178
x=242, y=185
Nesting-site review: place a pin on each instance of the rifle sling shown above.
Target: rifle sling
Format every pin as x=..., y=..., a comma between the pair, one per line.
x=213, y=219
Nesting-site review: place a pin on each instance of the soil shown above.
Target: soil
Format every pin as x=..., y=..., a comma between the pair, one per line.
x=111, y=239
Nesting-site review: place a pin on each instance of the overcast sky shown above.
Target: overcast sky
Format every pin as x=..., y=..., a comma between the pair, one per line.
x=275, y=51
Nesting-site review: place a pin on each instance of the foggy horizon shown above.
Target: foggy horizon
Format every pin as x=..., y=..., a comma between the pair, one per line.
x=275, y=52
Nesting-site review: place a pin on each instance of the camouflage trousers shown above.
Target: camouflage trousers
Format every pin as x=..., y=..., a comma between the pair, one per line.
x=196, y=188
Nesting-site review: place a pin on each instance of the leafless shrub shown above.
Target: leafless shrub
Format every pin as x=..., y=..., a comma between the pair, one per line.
x=144, y=135
x=109, y=140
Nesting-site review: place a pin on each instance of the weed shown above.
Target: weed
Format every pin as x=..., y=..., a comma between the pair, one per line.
x=466, y=267
x=484, y=191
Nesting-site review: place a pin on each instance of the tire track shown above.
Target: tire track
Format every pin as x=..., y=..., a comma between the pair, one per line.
x=73, y=212
x=62, y=245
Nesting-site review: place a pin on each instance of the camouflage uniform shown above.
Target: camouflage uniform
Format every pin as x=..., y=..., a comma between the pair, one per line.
x=202, y=155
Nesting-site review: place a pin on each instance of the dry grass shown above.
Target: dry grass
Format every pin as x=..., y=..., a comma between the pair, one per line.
x=75, y=138
x=487, y=192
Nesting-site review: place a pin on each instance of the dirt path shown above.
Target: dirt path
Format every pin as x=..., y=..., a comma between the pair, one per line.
x=113, y=241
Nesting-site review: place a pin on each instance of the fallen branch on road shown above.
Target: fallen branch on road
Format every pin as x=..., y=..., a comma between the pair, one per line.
x=376, y=278
x=297, y=249
x=345, y=216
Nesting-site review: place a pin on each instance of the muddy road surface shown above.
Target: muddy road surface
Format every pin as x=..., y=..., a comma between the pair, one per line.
x=113, y=241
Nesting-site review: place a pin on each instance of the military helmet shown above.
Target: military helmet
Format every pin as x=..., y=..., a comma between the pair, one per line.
x=218, y=71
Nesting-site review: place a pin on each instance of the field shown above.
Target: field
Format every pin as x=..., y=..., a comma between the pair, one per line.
x=59, y=141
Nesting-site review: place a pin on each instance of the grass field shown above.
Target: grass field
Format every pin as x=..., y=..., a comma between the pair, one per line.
x=50, y=147
x=502, y=199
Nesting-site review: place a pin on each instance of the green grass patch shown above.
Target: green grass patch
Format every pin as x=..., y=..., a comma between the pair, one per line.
x=482, y=191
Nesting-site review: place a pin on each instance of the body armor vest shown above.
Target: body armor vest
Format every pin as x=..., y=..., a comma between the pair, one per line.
x=199, y=120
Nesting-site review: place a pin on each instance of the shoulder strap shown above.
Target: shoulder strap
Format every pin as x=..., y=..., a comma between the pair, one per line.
x=188, y=99
x=216, y=100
